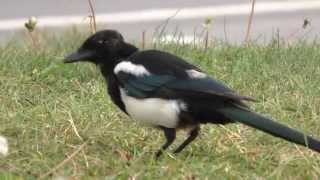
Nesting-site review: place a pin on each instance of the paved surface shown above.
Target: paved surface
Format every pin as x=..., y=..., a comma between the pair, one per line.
x=231, y=26
x=18, y=8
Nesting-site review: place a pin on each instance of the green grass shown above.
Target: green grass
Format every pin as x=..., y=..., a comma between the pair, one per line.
x=40, y=97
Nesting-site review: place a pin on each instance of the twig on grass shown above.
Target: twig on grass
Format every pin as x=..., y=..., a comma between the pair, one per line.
x=85, y=158
x=250, y=21
x=225, y=29
x=30, y=25
x=143, y=39
x=62, y=163
x=93, y=24
x=207, y=24
x=164, y=26
x=74, y=126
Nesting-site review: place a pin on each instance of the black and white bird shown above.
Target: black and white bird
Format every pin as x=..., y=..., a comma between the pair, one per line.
x=164, y=91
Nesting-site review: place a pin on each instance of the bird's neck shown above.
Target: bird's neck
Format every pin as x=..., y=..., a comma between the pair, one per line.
x=124, y=53
x=127, y=50
x=107, y=69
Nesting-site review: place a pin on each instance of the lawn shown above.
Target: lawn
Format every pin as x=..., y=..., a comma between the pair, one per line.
x=51, y=112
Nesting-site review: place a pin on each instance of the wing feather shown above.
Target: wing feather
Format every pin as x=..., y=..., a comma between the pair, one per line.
x=172, y=87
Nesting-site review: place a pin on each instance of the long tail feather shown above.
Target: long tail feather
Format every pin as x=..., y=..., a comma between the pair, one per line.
x=267, y=125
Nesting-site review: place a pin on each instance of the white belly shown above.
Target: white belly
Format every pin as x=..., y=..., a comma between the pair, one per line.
x=153, y=111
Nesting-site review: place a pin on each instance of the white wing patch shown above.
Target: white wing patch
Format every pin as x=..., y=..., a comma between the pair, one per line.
x=195, y=74
x=129, y=67
x=4, y=148
x=153, y=111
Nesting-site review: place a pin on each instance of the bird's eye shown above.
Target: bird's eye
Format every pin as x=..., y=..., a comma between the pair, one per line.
x=103, y=41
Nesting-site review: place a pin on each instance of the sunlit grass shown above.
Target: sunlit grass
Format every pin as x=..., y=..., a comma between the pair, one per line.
x=45, y=103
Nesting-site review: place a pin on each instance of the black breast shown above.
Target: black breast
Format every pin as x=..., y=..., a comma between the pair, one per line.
x=114, y=92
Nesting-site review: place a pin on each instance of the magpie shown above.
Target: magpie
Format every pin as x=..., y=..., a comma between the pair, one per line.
x=162, y=90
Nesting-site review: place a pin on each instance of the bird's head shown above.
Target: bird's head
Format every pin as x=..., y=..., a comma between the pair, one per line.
x=103, y=47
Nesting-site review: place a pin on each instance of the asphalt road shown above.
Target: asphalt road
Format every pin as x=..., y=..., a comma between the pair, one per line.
x=18, y=8
x=127, y=16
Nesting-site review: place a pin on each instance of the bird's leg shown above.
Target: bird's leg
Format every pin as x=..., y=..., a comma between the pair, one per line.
x=192, y=136
x=170, y=135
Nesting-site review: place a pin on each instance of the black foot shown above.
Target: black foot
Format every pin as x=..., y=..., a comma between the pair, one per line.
x=193, y=135
x=170, y=135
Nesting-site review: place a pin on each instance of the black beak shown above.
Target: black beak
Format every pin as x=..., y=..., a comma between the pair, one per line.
x=80, y=55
